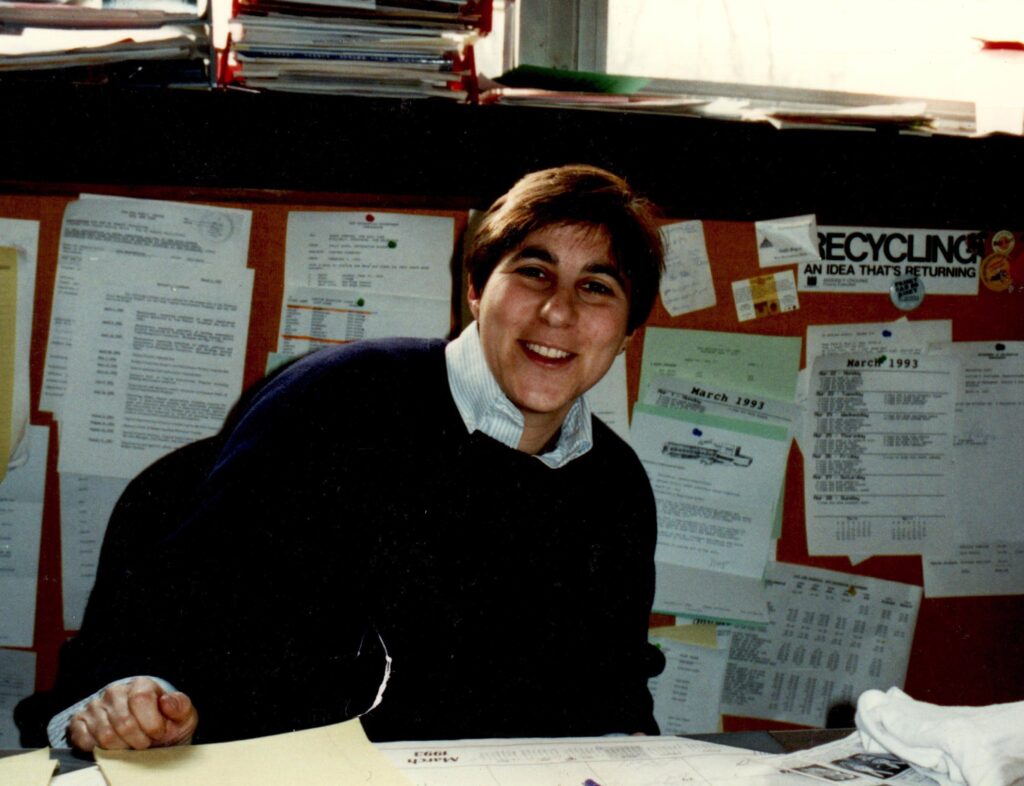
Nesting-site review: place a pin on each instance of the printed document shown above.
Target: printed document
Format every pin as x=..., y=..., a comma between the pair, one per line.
x=831, y=637
x=975, y=569
x=989, y=556
x=397, y=253
x=17, y=680
x=314, y=317
x=86, y=502
x=21, y=521
x=102, y=229
x=609, y=398
x=582, y=761
x=877, y=455
x=688, y=692
x=157, y=362
x=716, y=460
x=762, y=365
x=687, y=284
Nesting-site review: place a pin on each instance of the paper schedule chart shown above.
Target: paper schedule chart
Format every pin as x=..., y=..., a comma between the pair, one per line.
x=877, y=454
x=830, y=637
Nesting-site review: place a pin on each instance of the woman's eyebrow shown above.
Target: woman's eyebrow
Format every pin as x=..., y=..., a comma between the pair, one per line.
x=608, y=269
x=536, y=252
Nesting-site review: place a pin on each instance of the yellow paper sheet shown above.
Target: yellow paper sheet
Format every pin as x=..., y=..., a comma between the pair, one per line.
x=28, y=769
x=325, y=756
x=8, y=311
x=702, y=635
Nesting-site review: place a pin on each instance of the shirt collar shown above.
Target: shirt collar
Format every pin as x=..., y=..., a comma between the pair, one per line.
x=485, y=407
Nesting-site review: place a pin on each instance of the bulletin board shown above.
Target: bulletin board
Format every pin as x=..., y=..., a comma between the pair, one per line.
x=965, y=650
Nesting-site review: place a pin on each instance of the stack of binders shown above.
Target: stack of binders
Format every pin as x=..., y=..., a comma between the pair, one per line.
x=396, y=48
x=156, y=41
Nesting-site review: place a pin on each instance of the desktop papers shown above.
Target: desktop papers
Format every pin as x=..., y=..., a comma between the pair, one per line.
x=28, y=769
x=846, y=761
x=687, y=284
x=831, y=637
x=581, y=761
x=97, y=229
x=21, y=521
x=716, y=460
x=877, y=456
x=323, y=756
x=157, y=362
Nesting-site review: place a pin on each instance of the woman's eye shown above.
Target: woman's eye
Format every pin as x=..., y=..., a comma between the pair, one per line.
x=597, y=288
x=531, y=271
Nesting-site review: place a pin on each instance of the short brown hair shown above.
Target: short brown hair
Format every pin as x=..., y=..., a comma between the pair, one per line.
x=575, y=194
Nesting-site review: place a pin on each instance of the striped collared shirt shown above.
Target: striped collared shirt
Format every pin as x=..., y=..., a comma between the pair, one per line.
x=484, y=407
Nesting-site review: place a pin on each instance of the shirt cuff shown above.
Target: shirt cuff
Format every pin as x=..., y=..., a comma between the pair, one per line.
x=57, y=728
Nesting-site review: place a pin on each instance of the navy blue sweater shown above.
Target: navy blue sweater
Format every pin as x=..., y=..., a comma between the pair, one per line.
x=349, y=507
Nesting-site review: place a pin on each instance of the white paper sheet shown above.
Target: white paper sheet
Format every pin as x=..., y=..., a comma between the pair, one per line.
x=687, y=694
x=398, y=253
x=157, y=363
x=787, y=241
x=21, y=521
x=751, y=363
x=989, y=558
x=86, y=502
x=586, y=761
x=17, y=680
x=877, y=338
x=832, y=635
x=877, y=455
x=978, y=569
x=716, y=460
x=22, y=235
x=989, y=439
x=97, y=229
x=686, y=285
x=313, y=317
x=609, y=399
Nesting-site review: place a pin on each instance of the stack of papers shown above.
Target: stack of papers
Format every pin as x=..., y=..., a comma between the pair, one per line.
x=402, y=48
x=49, y=35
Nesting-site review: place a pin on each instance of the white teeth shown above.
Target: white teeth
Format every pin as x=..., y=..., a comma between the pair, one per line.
x=548, y=352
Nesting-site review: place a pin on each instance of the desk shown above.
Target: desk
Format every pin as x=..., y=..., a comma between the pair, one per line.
x=764, y=741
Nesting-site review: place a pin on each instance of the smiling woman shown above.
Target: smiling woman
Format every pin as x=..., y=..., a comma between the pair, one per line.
x=552, y=317
x=459, y=548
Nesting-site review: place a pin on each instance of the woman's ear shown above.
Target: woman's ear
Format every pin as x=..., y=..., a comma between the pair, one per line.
x=473, y=298
x=625, y=344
